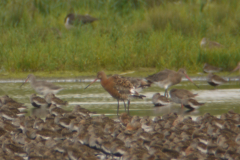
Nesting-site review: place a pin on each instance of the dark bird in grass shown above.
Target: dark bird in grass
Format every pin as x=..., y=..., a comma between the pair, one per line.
x=159, y=100
x=206, y=43
x=215, y=80
x=38, y=102
x=207, y=68
x=76, y=19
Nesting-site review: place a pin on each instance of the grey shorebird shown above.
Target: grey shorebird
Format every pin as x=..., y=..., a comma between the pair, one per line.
x=167, y=78
x=207, y=68
x=42, y=87
x=215, y=80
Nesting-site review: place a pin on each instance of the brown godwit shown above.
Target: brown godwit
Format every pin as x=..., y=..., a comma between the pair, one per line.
x=75, y=19
x=206, y=43
x=42, y=87
x=38, y=102
x=210, y=69
x=118, y=87
x=159, y=100
x=178, y=95
x=167, y=78
x=215, y=80
x=138, y=84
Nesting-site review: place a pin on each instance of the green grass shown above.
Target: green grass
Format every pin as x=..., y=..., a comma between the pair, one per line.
x=130, y=35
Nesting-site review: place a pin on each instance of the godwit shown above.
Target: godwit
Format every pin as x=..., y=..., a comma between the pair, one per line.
x=159, y=100
x=74, y=19
x=206, y=43
x=179, y=95
x=167, y=78
x=42, y=87
x=215, y=80
x=210, y=69
x=118, y=87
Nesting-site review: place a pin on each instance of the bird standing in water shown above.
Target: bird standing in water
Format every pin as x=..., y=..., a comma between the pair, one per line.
x=167, y=78
x=118, y=87
x=42, y=87
x=215, y=80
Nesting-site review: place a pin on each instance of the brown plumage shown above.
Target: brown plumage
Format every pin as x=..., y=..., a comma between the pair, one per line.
x=76, y=19
x=138, y=83
x=167, y=78
x=178, y=95
x=210, y=69
x=215, y=80
x=38, y=102
x=191, y=103
x=118, y=87
x=159, y=100
x=52, y=99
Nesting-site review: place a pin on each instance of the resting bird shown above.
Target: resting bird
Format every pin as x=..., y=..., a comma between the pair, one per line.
x=76, y=19
x=206, y=43
x=38, y=102
x=210, y=69
x=159, y=100
x=215, y=80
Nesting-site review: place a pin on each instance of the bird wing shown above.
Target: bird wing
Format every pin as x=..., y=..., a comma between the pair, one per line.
x=160, y=76
x=86, y=18
x=39, y=100
x=123, y=85
x=218, y=80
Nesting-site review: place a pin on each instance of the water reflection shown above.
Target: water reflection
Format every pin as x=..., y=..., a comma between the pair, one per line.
x=96, y=99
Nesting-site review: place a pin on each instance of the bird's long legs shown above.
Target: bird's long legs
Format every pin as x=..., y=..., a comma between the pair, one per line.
x=128, y=106
x=124, y=105
x=166, y=93
x=117, y=107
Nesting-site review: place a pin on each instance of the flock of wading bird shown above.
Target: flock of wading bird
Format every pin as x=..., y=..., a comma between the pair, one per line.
x=125, y=88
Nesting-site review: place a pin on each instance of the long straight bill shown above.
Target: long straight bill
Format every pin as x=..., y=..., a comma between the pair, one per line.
x=191, y=80
x=91, y=83
x=235, y=69
x=23, y=83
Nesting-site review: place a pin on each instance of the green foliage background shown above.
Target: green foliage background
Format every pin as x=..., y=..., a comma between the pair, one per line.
x=129, y=35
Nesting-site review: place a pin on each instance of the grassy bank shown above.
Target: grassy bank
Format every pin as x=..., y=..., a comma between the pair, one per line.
x=129, y=35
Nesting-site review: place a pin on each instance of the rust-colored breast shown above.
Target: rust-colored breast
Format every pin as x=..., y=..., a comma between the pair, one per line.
x=117, y=87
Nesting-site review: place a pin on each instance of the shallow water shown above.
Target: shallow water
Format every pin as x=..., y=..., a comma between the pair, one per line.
x=95, y=98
